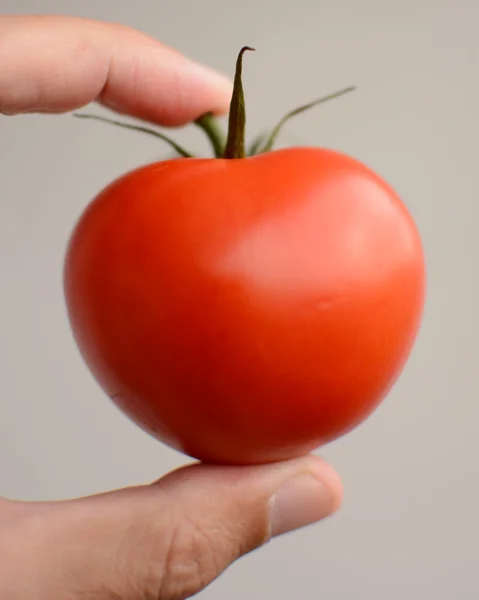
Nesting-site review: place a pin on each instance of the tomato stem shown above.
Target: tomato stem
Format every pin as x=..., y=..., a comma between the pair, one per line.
x=257, y=143
x=235, y=143
x=179, y=149
x=210, y=125
x=268, y=144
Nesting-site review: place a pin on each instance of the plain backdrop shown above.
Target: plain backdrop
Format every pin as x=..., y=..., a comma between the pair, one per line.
x=409, y=524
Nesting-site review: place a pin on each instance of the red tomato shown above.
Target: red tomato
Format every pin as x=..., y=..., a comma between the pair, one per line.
x=246, y=311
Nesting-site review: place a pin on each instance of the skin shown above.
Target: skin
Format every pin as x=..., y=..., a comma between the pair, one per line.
x=168, y=539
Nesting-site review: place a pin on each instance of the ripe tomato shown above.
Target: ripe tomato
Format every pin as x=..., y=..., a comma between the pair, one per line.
x=247, y=310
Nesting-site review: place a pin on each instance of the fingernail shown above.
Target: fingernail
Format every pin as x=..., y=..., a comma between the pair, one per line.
x=300, y=501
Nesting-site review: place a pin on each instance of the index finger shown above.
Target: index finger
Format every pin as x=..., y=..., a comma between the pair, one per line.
x=57, y=64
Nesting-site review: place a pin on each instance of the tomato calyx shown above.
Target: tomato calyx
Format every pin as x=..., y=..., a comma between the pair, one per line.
x=176, y=147
x=232, y=146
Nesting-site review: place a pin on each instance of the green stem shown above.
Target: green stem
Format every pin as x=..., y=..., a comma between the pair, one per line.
x=257, y=143
x=181, y=151
x=274, y=134
x=210, y=125
x=235, y=144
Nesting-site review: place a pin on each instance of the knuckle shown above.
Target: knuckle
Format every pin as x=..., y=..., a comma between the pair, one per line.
x=193, y=556
x=190, y=563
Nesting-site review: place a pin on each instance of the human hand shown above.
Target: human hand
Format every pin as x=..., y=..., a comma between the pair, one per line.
x=169, y=539
x=54, y=64
x=164, y=541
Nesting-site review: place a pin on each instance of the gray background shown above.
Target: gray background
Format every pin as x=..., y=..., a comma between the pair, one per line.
x=410, y=520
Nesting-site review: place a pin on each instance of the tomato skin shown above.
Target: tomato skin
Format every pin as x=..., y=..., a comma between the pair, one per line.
x=249, y=310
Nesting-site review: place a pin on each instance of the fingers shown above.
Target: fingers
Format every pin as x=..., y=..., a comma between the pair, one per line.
x=170, y=539
x=57, y=64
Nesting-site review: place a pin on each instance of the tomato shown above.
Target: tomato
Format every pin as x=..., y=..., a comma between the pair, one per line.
x=250, y=310
x=246, y=311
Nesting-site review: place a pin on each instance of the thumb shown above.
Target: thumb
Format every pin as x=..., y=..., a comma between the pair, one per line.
x=170, y=539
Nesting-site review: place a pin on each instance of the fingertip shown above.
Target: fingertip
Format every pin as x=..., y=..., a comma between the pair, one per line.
x=200, y=90
x=220, y=87
x=311, y=492
x=168, y=88
x=330, y=478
